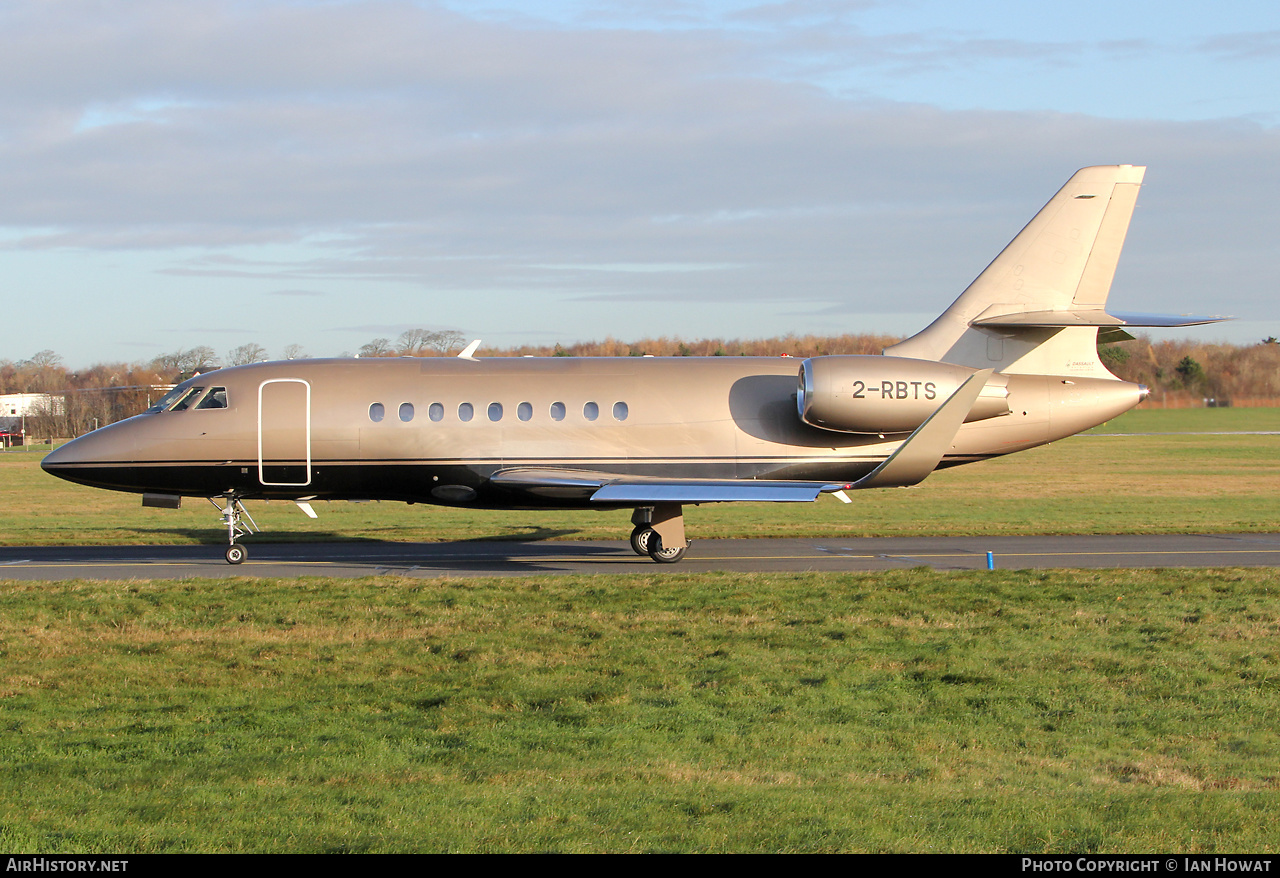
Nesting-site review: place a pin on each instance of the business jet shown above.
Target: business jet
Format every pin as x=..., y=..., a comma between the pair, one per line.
x=1010, y=365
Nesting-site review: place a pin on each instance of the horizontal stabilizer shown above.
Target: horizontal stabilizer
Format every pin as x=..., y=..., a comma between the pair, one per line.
x=1003, y=315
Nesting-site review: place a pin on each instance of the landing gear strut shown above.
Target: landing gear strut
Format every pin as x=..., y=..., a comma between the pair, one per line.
x=239, y=523
x=659, y=532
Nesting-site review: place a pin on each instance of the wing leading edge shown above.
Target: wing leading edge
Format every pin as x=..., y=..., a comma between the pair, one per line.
x=910, y=464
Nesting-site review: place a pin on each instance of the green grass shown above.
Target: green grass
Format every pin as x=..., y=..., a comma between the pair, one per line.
x=1142, y=420
x=1137, y=483
x=909, y=711
x=1013, y=711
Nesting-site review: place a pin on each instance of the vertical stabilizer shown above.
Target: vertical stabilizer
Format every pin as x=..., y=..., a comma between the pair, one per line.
x=1063, y=261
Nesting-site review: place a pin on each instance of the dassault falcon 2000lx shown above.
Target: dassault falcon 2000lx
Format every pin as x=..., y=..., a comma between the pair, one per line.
x=1012, y=364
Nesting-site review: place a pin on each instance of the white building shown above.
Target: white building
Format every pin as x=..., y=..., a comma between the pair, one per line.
x=15, y=408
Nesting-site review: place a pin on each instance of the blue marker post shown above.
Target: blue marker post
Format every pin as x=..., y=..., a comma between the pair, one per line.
x=991, y=560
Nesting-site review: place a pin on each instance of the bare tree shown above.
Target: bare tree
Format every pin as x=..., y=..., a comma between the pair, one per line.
x=446, y=340
x=46, y=360
x=181, y=365
x=44, y=372
x=412, y=342
x=295, y=352
x=46, y=419
x=379, y=347
x=246, y=354
x=416, y=342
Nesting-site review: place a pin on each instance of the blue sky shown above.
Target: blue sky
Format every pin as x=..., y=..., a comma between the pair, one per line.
x=220, y=173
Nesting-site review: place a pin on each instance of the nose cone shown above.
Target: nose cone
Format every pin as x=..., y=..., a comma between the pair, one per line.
x=56, y=461
x=97, y=447
x=101, y=459
x=62, y=459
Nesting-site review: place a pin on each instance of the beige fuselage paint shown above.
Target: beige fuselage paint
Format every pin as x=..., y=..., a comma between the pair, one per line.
x=305, y=428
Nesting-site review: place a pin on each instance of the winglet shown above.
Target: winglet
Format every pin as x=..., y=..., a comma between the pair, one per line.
x=466, y=353
x=923, y=450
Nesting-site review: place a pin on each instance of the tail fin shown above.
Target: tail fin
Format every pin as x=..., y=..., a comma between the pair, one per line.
x=1036, y=308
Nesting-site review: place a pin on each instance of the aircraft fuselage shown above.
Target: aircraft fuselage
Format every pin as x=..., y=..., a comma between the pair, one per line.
x=434, y=430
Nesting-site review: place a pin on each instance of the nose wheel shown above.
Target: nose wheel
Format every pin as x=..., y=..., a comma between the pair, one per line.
x=239, y=523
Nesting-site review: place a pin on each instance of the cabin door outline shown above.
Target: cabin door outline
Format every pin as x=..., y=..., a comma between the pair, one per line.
x=284, y=433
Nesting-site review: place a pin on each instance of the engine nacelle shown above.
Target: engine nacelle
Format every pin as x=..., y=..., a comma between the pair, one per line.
x=871, y=394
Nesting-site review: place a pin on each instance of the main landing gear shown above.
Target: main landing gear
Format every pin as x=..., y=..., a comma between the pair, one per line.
x=239, y=523
x=659, y=533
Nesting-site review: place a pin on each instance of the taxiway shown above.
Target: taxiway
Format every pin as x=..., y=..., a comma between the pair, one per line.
x=501, y=558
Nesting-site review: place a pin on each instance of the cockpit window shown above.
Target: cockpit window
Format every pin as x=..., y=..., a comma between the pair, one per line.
x=217, y=399
x=181, y=392
x=186, y=401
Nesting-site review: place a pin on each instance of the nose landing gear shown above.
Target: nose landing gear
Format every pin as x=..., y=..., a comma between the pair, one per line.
x=239, y=523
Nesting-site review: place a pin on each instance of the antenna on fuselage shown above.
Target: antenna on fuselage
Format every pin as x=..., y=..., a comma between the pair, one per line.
x=469, y=350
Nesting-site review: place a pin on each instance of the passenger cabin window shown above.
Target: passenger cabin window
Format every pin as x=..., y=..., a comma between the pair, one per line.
x=217, y=398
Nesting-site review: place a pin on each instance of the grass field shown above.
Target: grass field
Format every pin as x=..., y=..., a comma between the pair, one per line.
x=1166, y=475
x=910, y=711
x=1142, y=420
x=1017, y=711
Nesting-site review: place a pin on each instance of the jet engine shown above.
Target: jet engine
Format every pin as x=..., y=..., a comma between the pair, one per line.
x=871, y=394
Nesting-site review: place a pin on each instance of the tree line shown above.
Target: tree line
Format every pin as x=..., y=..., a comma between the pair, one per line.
x=1174, y=369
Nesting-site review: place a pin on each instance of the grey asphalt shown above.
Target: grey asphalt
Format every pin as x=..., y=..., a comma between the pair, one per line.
x=489, y=558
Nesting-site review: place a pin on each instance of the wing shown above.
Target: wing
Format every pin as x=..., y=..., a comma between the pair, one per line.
x=632, y=490
x=913, y=460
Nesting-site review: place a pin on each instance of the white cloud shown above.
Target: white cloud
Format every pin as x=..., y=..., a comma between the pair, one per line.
x=408, y=152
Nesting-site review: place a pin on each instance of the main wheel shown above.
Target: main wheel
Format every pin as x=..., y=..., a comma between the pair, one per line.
x=640, y=539
x=663, y=555
x=236, y=554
